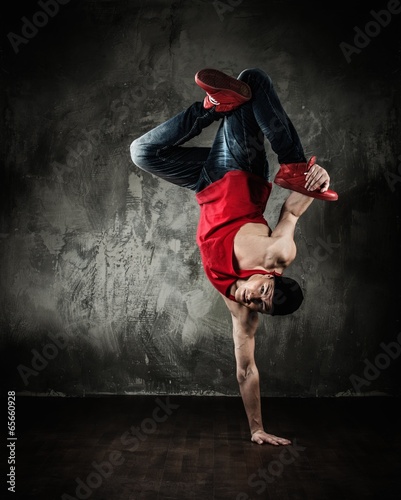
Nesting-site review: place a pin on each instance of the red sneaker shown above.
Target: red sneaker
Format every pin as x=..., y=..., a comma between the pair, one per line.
x=292, y=176
x=223, y=91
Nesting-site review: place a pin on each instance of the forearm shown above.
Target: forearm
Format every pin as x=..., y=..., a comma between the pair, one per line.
x=245, y=324
x=250, y=393
x=297, y=204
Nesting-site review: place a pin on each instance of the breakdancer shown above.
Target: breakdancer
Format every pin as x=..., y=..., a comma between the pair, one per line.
x=243, y=258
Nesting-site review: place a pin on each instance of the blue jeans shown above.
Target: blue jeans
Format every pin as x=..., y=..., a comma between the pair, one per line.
x=238, y=145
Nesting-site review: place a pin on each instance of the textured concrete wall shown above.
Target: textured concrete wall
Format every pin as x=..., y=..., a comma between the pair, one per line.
x=102, y=288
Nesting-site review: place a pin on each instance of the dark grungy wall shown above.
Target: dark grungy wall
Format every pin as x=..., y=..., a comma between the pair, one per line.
x=102, y=289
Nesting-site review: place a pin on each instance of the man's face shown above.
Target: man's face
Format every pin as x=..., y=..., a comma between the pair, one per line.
x=257, y=293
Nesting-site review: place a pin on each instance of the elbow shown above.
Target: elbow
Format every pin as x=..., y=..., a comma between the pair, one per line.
x=246, y=372
x=240, y=376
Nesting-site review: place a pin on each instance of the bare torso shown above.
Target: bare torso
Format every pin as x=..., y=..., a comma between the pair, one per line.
x=254, y=248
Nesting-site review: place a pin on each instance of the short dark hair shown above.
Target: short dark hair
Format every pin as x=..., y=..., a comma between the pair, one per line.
x=287, y=296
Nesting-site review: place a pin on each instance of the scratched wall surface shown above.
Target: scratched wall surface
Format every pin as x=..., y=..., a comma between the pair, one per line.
x=102, y=289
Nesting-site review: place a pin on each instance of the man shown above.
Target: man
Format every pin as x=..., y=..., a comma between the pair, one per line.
x=242, y=257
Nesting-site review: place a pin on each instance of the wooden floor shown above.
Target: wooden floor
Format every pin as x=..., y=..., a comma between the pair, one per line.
x=161, y=447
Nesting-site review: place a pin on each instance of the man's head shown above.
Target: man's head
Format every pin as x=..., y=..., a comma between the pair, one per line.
x=270, y=294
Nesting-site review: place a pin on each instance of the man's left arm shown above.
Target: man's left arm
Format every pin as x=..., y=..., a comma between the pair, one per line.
x=293, y=208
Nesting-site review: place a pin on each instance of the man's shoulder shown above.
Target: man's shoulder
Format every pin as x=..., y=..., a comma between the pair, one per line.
x=282, y=251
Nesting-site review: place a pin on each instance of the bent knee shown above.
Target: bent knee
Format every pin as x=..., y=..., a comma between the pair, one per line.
x=255, y=74
x=135, y=151
x=140, y=153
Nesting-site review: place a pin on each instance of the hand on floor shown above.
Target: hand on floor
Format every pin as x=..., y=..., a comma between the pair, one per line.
x=261, y=437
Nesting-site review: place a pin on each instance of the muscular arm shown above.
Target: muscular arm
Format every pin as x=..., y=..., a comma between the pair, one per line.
x=247, y=371
x=297, y=204
x=277, y=250
x=282, y=236
x=245, y=324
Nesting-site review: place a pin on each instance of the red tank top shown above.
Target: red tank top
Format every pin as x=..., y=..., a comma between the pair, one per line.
x=225, y=206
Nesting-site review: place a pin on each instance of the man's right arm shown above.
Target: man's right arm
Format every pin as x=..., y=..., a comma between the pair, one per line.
x=245, y=324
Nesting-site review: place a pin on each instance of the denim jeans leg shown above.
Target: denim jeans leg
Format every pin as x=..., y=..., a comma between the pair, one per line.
x=239, y=142
x=272, y=118
x=160, y=150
